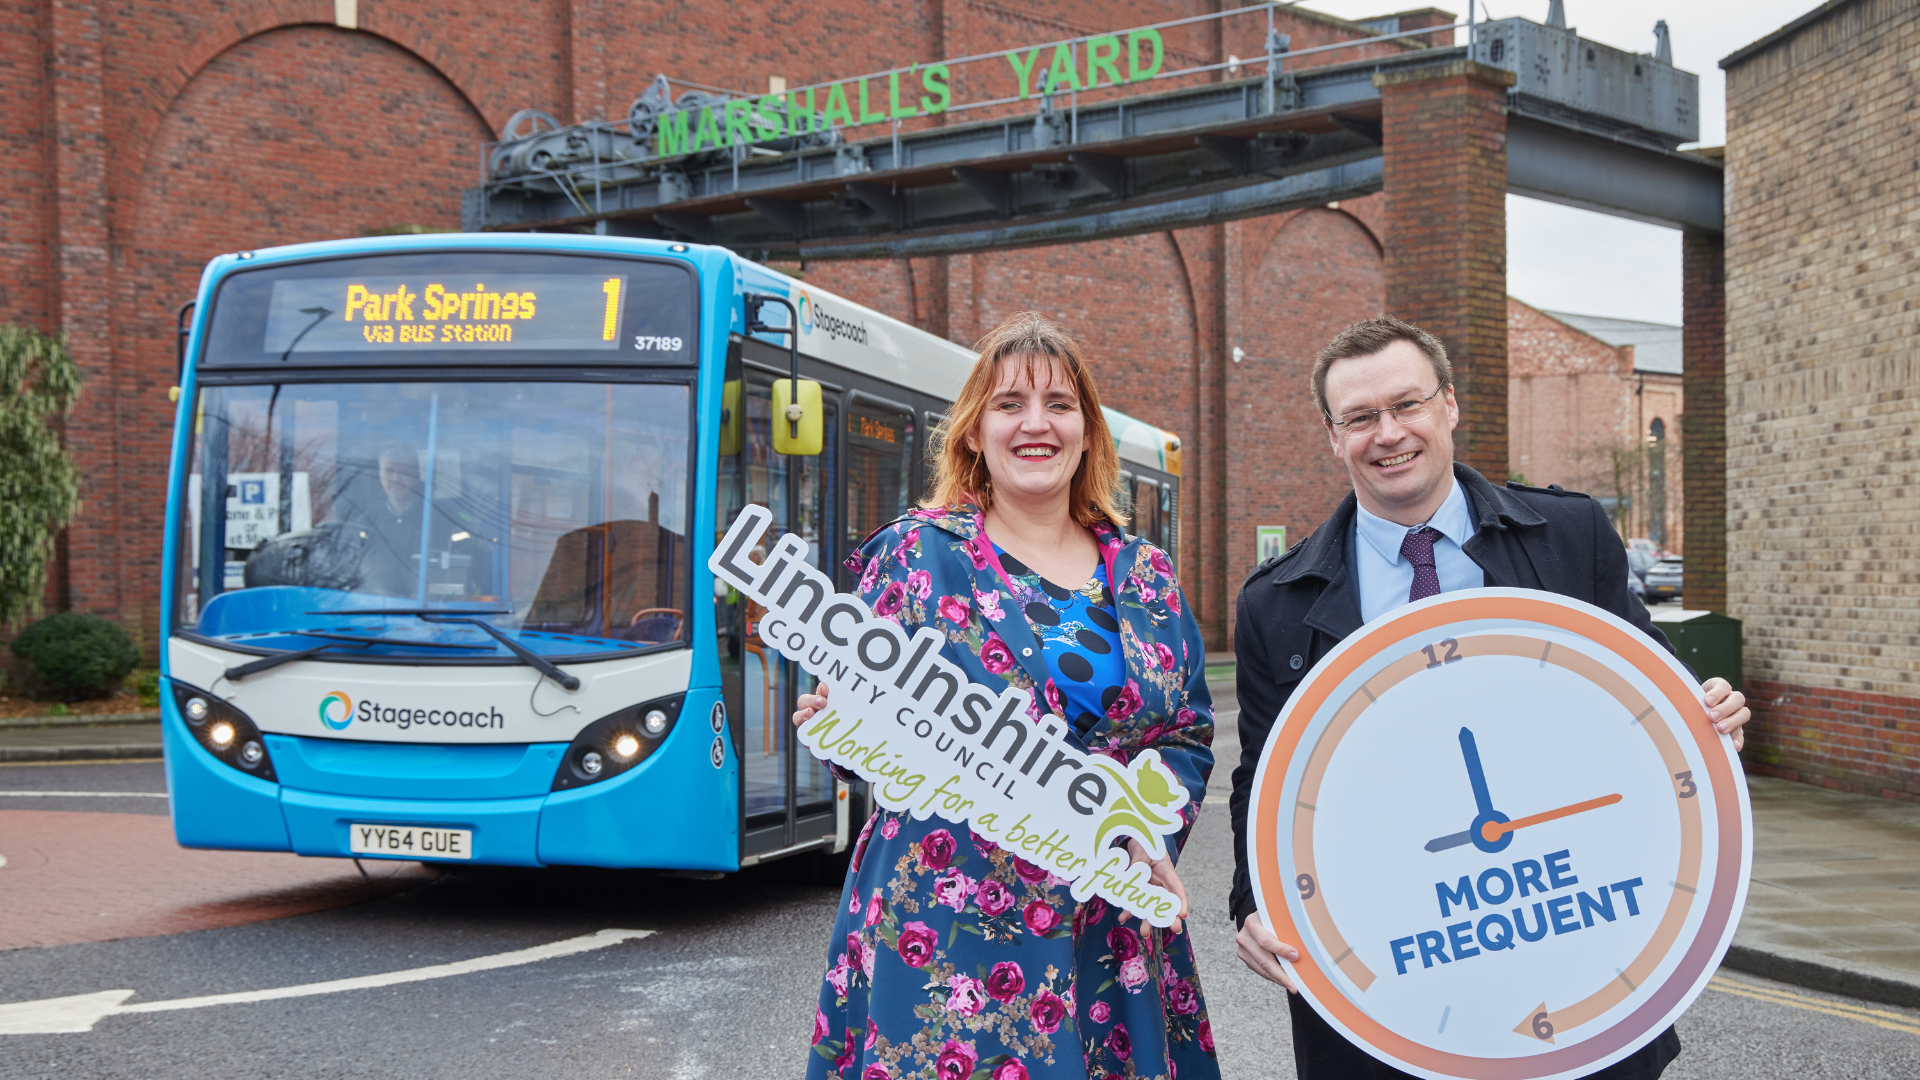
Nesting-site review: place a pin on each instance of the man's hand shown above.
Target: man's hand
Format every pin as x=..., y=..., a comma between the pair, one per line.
x=1164, y=875
x=1727, y=709
x=810, y=704
x=1257, y=948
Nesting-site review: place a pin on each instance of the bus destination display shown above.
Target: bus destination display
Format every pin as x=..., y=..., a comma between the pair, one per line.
x=494, y=312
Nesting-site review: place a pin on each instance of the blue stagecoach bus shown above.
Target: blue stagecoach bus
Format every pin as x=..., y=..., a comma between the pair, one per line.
x=439, y=515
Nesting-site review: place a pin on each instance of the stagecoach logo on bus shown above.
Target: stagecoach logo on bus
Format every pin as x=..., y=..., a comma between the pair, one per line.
x=931, y=742
x=337, y=719
x=337, y=711
x=813, y=315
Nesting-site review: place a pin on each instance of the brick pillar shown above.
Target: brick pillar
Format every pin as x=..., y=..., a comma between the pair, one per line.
x=1445, y=164
x=1703, y=417
x=1204, y=452
x=83, y=273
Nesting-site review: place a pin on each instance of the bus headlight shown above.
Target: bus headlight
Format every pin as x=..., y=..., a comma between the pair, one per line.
x=617, y=742
x=225, y=732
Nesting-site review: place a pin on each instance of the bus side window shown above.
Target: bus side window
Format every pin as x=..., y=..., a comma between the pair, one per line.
x=879, y=469
x=930, y=423
x=1170, y=523
x=1146, y=512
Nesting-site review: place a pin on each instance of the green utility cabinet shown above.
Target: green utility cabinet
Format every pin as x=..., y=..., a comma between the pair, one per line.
x=1706, y=641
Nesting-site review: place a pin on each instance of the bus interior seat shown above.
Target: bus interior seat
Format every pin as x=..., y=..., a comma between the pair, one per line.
x=629, y=597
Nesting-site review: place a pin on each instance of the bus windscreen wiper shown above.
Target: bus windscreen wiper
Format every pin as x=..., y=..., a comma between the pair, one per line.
x=455, y=615
x=333, y=641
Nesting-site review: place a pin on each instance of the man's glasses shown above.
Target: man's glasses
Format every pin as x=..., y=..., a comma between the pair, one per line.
x=1405, y=412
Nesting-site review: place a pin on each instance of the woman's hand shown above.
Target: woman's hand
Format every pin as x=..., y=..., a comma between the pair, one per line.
x=1164, y=875
x=810, y=704
x=1258, y=946
x=1727, y=710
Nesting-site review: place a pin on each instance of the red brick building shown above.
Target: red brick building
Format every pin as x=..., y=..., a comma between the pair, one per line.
x=1593, y=405
x=145, y=138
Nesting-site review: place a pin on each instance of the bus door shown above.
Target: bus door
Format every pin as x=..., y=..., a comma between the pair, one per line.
x=786, y=793
x=881, y=453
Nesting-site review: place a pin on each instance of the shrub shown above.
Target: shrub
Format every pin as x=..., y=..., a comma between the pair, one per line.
x=71, y=656
x=39, y=485
x=146, y=683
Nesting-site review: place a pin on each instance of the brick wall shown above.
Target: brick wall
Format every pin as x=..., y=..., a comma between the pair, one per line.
x=147, y=138
x=1823, y=394
x=1842, y=739
x=1297, y=280
x=1446, y=213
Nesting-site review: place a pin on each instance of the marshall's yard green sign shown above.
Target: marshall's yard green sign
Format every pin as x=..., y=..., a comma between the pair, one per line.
x=1089, y=63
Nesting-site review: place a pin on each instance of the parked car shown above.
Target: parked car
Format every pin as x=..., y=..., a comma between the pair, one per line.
x=1663, y=580
x=1635, y=585
x=1639, y=561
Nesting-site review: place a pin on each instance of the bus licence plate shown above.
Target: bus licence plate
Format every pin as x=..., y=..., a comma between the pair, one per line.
x=410, y=841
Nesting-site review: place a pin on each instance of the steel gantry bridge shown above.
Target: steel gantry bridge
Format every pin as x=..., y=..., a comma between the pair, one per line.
x=1070, y=159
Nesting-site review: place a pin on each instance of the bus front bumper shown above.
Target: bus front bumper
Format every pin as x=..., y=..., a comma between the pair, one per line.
x=675, y=810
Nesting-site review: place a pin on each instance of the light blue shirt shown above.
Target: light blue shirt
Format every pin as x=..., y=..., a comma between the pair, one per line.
x=1386, y=577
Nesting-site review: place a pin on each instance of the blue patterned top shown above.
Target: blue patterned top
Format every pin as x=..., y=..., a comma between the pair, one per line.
x=1080, y=641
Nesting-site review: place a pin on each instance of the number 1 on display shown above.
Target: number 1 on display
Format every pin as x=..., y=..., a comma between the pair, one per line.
x=611, y=287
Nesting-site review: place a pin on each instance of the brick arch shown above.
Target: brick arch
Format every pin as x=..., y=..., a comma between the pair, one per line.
x=1318, y=271
x=266, y=145
x=151, y=103
x=1372, y=218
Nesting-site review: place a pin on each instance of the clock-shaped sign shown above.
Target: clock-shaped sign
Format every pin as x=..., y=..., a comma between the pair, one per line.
x=1504, y=834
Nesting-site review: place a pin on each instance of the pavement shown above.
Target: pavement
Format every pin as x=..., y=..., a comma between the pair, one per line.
x=79, y=738
x=1835, y=899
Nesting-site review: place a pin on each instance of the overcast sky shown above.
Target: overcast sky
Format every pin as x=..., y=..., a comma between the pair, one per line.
x=1564, y=259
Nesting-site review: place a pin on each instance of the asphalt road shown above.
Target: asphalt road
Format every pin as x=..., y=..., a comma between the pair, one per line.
x=723, y=987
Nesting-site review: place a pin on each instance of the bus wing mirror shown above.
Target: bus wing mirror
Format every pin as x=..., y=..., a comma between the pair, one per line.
x=730, y=418
x=799, y=424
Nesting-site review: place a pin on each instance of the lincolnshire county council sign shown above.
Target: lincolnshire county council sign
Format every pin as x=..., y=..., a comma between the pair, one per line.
x=1504, y=834
x=932, y=742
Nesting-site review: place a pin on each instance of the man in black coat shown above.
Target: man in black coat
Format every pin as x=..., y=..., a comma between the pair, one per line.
x=1417, y=524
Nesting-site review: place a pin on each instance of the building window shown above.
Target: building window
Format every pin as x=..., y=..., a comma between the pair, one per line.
x=1657, y=482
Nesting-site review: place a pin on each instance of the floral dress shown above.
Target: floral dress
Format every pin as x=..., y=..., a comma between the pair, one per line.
x=952, y=959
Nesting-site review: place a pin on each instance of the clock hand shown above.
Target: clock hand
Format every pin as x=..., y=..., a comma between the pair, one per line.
x=1475, y=775
x=1451, y=840
x=1493, y=830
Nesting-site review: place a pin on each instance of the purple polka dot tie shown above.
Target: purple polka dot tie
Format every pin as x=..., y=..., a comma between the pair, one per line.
x=1417, y=549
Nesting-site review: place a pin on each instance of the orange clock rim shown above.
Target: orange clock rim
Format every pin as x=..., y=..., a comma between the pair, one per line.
x=1719, y=911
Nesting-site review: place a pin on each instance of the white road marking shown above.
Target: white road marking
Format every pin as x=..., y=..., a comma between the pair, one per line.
x=87, y=794
x=80, y=1012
